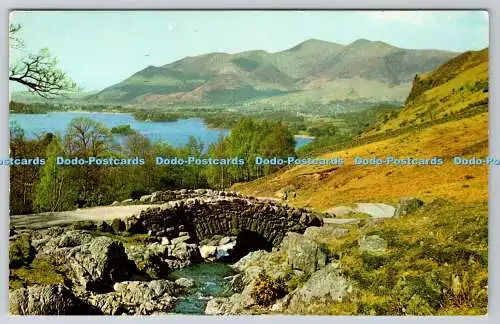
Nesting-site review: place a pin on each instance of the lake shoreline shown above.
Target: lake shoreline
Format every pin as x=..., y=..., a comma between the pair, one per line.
x=175, y=133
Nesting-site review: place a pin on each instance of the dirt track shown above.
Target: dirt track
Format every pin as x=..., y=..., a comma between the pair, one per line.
x=66, y=217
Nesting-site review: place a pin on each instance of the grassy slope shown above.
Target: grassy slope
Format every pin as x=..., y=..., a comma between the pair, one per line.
x=322, y=187
x=325, y=186
x=451, y=88
x=432, y=266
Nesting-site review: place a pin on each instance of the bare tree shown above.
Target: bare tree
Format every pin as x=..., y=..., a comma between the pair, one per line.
x=38, y=72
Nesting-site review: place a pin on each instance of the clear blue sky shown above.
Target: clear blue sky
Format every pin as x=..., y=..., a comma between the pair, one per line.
x=99, y=49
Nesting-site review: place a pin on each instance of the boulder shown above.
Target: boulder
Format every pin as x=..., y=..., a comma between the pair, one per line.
x=137, y=298
x=46, y=300
x=181, y=239
x=150, y=259
x=47, y=233
x=145, y=290
x=183, y=255
x=319, y=234
x=126, y=202
x=208, y=252
x=184, y=282
x=104, y=227
x=227, y=239
x=280, y=305
x=145, y=199
x=218, y=306
x=157, y=260
x=118, y=225
x=225, y=250
x=303, y=253
x=134, y=225
x=156, y=197
x=324, y=286
x=372, y=244
x=248, y=259
x=74, y=238
x=100, y=263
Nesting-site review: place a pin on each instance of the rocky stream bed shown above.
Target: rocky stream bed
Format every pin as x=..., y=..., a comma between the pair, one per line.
x=108, y=269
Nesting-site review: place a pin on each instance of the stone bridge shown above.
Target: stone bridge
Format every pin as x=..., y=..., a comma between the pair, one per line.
x=209, y=213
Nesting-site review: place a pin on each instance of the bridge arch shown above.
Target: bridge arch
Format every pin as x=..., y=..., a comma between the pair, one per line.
x=204, y=218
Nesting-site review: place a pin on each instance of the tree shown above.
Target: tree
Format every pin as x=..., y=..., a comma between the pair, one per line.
x=242, y=142
x=87, y=137
x=218, y=175
x=192, y=175
x=278, y=142
x=54, y=192
x=38, y=72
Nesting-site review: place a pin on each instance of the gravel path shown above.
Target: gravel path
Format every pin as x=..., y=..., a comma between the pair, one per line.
x=67, y=217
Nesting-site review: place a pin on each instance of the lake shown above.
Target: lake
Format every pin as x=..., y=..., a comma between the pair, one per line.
x=175, y=133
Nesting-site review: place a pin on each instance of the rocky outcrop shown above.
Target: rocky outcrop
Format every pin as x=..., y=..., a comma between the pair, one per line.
x=68, y=239
x=99, y=264
x=218, y=249
x=318, y=234
x=300, y=258
x=157, y=260
x=250, y=258
x=137, y=298
x=372, y=244
x=47, y=300
x=303, y=253
x=184, y=282
x=150, y=259
x=325, y=286
x=218, y=306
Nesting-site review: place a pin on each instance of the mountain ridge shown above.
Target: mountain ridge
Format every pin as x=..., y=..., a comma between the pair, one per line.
x=219, y=77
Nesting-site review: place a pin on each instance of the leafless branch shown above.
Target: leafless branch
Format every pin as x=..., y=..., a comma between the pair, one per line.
x=40, y=74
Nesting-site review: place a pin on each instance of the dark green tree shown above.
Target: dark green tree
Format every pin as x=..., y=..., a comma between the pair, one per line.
x=55, y=190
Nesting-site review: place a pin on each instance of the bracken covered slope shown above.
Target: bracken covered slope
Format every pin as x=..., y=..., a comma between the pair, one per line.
x=451, y=103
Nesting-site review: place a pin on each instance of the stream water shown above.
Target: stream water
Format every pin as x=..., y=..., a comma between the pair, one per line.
x=208, y=283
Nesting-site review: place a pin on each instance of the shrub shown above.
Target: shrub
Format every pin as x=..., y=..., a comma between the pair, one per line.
x=20, y=251
x=267, y=290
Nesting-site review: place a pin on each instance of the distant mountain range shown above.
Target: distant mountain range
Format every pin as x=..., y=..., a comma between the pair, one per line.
x=312, y=71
